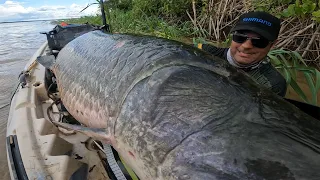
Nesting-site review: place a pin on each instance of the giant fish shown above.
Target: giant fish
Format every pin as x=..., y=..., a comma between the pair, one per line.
x=173, y=111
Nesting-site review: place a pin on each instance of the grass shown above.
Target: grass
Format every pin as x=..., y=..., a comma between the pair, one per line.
x=127, y=22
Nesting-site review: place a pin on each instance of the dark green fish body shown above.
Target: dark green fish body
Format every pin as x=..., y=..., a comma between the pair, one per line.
x=174, y=112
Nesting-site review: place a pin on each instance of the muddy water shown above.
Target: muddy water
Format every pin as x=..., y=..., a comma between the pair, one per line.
x=302, y=82
x=18, y=42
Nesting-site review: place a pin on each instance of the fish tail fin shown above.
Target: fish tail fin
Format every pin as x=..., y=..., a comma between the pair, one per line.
x=47, y=61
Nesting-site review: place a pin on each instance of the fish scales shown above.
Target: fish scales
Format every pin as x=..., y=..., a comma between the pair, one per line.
x=174, y=112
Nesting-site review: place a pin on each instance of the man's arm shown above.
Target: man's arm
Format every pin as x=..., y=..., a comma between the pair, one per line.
x=278, y=83
x=280, y=87
x=219, y=52
x=270, y=78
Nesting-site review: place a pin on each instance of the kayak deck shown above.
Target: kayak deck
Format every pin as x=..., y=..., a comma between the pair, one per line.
x=45, y=151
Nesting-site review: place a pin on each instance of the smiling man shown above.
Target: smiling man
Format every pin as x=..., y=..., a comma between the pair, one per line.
x=252, y=38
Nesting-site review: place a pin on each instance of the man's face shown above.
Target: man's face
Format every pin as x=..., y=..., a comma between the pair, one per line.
x=246, y=53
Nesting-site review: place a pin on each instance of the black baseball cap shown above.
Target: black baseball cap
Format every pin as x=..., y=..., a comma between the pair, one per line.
x=262, y=23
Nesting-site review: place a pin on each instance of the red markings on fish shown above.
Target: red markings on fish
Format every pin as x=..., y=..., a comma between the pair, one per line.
x=120, y=44
x=131, y=154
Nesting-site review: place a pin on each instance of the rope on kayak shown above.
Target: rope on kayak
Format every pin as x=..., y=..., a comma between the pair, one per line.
x=15, y=89
x=50, y=108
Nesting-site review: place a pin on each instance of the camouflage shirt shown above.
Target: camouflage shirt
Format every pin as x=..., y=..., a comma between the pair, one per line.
x=264, y=74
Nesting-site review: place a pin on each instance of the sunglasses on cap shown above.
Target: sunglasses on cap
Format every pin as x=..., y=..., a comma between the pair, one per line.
x=259, y=42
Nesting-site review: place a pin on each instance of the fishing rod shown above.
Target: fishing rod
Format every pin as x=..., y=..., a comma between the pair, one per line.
x=104, y=21
x=105, y=26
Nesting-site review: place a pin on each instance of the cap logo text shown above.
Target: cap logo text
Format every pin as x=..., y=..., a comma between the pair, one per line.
x=257, y=20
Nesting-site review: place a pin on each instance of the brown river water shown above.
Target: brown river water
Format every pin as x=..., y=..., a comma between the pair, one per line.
x=18, y=42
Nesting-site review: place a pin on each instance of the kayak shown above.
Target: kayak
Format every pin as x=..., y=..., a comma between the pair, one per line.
x=37, y=149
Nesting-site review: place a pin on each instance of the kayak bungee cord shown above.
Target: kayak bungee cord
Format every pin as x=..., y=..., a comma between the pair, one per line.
x=50, y=108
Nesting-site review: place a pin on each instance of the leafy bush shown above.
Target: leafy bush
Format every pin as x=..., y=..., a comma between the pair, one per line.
x=290, y=8
x=303, y=9
x=125, y=5
x=161, y=8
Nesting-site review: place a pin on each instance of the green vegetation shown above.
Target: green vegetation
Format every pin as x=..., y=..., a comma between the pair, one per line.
x=290, y=63
x=126, y=22
x=129, y=23
x=194, y=21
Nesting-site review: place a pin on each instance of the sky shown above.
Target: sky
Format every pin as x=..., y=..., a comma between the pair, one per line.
x=16, y=10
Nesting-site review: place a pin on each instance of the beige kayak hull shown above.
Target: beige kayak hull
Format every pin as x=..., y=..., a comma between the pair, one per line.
x=46, y=152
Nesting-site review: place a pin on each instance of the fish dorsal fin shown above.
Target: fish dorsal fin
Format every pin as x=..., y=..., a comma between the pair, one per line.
x=47, y=61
